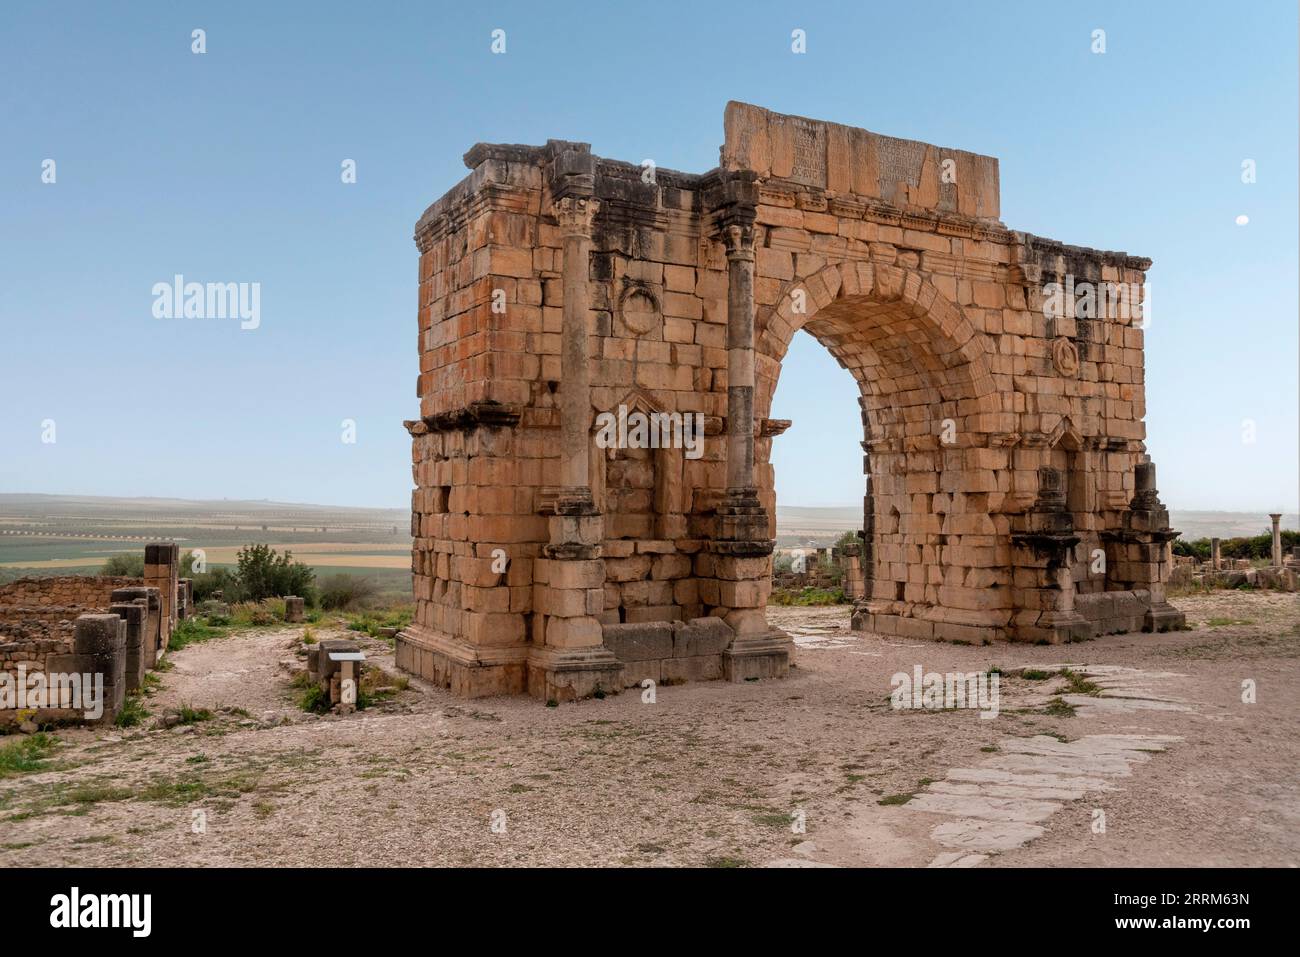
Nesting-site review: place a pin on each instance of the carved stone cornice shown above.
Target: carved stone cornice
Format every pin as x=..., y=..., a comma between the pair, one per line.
x=496, y=414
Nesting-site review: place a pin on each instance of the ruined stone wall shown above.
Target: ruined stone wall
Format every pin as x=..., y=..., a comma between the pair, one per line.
x=113, y=625
x=64, y=591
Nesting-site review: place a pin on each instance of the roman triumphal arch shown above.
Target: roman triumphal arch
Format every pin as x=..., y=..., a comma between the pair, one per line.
x=565, y=301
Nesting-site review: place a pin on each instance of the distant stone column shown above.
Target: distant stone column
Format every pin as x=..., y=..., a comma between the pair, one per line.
x=153, y=624
x=136, y=615
x=162, y=571
x=1277, y=539
x=576, y=215
x=293, y=608
x=1216, y=556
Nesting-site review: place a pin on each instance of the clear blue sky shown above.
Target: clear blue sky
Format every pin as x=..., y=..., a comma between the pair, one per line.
x=225, y=167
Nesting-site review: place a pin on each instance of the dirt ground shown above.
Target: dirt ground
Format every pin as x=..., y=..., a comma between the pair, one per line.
x=1151, y=731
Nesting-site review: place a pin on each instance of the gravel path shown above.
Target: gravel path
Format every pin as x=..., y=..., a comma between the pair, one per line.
x=768, y=773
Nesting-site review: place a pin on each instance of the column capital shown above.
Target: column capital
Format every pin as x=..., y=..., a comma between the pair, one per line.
x=575, y=214
x=739, y=239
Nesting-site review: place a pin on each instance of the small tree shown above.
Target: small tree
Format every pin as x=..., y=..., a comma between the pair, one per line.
x=128, y=564
x=264, y=573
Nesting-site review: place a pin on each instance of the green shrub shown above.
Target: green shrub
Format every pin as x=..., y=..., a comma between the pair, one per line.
x=265, y=573
x=214, y=580
x=808, y=596
x=341, y=592
x=1251, y=547
x=128, y=564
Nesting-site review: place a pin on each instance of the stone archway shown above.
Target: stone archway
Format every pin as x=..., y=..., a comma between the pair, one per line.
x=1010, y=493
x=928, y=397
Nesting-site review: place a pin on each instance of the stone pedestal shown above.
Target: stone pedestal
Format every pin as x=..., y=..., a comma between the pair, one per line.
x=1137, y=557
x=162, y=571
x=1043, y=540
x=152, y=631
x=136, y=616
x=98, y=649
x=294, y=608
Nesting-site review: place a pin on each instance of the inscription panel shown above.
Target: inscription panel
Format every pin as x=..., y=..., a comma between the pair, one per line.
x=809, y=152
x=900, y=161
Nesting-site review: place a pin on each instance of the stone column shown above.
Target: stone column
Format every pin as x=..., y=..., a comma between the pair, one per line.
x=1277, y=539
x=1216, y=555
x=741, y=517
x=741, y=560
x=570, y=659
x=162, y=571
x=575, y=215
x=153, y=623
x=740, y=357
x=136, y=615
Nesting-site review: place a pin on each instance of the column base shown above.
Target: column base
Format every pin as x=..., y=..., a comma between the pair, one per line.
x=1058, y=631
x=465, y=670
x=758, y=656
x=1164, y=617
x=571, y=674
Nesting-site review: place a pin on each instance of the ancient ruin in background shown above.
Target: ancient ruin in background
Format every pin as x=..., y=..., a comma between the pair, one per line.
x=114, y=626
x=1009, y=494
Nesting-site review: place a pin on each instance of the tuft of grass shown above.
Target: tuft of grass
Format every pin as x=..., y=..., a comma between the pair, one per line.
x=308, y=637
x=255, y=614
x=191, y=631
x=990, y=749
x=314, y=699
x=150, y=684
x=726, y=862
x=26, y=754
x=1228, y=622
x=1031, y=674
x=1060, y=708
x=372, y=621
x=894, y=799
x=194, y=715
x=133, y=711
x=1078, y=684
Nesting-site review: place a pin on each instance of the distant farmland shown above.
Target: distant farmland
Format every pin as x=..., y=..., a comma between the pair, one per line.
x=52, y=534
